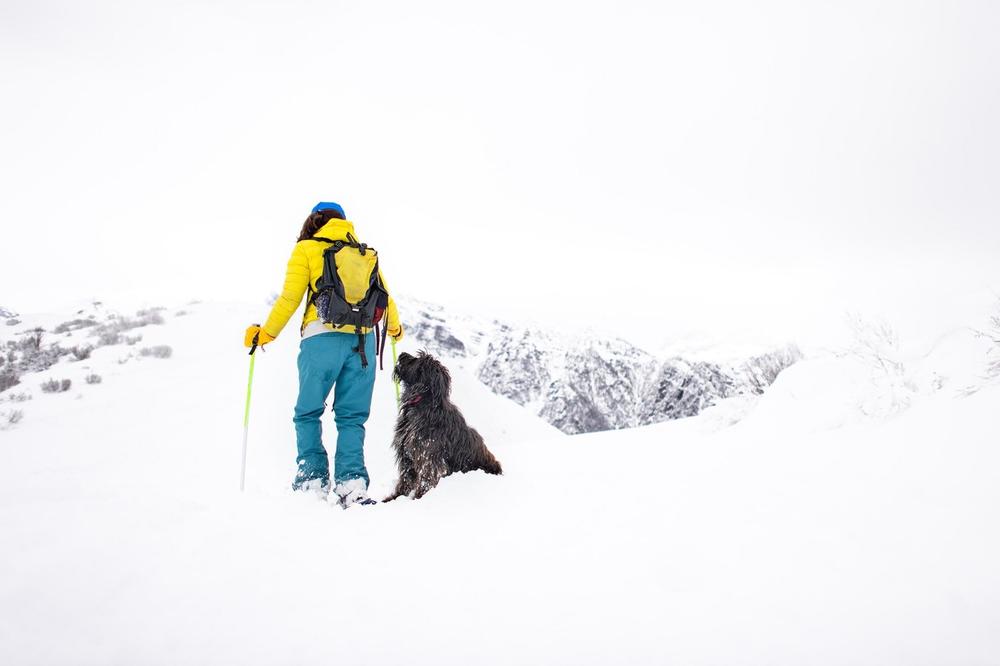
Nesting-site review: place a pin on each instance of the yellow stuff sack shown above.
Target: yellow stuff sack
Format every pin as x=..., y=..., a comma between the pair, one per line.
x=350, y=291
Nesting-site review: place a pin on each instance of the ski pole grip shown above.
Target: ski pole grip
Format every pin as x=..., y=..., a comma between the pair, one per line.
x=253, y=347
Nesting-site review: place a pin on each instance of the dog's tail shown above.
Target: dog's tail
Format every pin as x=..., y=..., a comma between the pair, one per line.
x=491, y=465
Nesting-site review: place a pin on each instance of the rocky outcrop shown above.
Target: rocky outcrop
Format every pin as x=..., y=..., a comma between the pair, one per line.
x=590, y=384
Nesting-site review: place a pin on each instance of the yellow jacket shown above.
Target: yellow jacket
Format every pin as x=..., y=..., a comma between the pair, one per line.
x=305, y=267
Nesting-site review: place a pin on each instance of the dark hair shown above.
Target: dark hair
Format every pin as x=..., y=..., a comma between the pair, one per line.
x=315, y=221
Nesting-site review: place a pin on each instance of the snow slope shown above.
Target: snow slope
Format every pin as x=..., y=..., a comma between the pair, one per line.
x=808, y=532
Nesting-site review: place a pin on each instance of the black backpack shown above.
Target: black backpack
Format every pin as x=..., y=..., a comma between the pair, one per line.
x=350, y=291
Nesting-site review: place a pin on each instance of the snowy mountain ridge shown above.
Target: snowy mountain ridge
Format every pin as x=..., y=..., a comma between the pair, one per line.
x=585, y=382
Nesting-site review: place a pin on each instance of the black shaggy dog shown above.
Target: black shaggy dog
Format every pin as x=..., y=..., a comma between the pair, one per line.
x=432, y=439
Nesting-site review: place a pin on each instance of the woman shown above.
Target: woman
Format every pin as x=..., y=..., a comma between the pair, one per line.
x=329, y=358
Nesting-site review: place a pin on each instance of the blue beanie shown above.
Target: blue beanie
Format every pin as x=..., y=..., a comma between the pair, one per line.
x=328, y=205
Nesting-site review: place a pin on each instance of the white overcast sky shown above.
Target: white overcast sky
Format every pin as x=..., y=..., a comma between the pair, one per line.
x=683, y=166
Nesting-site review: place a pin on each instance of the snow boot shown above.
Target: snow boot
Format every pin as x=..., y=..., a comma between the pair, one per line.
x=351, y=492
x=318, y=487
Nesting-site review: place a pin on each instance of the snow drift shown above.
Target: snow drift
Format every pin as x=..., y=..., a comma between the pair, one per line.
x=795, y=528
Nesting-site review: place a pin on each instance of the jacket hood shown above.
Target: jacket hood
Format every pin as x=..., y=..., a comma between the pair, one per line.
x=336, y=229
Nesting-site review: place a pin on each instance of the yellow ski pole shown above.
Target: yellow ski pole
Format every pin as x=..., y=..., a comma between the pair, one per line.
x=395, y=379
x=246, y=416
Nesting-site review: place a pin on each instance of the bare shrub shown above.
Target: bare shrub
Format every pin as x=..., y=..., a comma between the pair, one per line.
x=108, y=338
x=110, y=332
x=32, y=340
x=92, y=378
x=10, y=418
x=74, y=325
x=56, y=386
x=13, y=322
x=81, y=353
x=992, y=370
x=876, y=346
x=159, y=351
x=31, y=356
x=151, y=315
x=875, y=343
x=993, y=334
x=19, y=397
x=9, y=377
x=148, y=317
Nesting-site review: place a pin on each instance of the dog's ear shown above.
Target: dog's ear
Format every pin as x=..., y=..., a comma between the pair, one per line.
x=438, y=381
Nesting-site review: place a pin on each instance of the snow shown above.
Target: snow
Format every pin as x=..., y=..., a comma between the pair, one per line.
x=792, y=528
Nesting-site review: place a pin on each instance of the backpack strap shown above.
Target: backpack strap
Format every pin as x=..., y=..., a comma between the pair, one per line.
x=338, y=245
x=380, y=341
x=324, y=239
x=314, y=294
x=361, y=247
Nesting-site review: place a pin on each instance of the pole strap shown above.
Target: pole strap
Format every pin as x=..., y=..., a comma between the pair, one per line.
x=395, y=379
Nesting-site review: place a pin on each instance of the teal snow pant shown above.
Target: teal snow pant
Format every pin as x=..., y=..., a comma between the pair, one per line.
x=328, y=361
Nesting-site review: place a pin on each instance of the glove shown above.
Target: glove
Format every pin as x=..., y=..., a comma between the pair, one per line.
x=396, y=333
x=263, y=337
